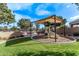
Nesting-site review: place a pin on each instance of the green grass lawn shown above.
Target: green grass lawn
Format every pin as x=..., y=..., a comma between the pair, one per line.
x=28, y=47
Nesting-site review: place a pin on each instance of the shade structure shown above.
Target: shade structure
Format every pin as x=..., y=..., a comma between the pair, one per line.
x=49, y=19
x=53, y=20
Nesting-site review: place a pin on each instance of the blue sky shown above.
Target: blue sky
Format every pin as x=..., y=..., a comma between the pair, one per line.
x=36, y=11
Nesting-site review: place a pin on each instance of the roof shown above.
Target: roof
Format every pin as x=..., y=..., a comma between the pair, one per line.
x=75, y=22
x=49, y=19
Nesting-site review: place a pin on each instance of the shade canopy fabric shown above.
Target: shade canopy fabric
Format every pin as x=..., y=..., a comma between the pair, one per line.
x=50, y=19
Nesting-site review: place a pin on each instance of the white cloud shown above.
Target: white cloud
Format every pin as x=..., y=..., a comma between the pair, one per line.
x=74, y=17
x=40, y=10
x=68, y=6
x=67, y=24
x=17, y=6
x=43, y=12
x=43, y=6
x=18, y=17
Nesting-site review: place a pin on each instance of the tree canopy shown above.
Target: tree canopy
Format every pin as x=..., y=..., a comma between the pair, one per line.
x=14, y=28
x=24, y=23
x=6, y=15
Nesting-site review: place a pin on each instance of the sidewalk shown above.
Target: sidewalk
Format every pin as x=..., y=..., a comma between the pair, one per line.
x=2, y=41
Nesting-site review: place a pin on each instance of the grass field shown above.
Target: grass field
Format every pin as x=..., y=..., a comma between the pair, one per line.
x=28, y=47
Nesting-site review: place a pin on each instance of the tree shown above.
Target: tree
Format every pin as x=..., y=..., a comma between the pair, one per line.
x=64, y=20
x=63, y=24
x=37, y=27
x=60, y=17
x=6, y=15
x=5, y=28
x=24, y=23
x=14, y=28
x=48, y=25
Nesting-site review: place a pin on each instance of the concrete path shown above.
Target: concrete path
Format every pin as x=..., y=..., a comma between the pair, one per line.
x=2, y=41
x=59, y=40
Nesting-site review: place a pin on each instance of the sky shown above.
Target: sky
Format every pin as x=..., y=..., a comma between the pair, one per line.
x=37, y=11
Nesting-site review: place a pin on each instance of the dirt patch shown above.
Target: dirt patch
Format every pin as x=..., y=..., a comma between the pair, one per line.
x=5, y=35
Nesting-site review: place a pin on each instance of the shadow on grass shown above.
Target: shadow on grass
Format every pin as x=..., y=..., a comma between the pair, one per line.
x=47, y=53
x=16, y=41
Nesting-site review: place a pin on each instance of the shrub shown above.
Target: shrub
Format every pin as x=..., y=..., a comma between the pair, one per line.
x=47, y=53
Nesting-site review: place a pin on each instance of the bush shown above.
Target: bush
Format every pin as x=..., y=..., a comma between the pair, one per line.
x=47, y=53
x=70, y=53
x=17, y=40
